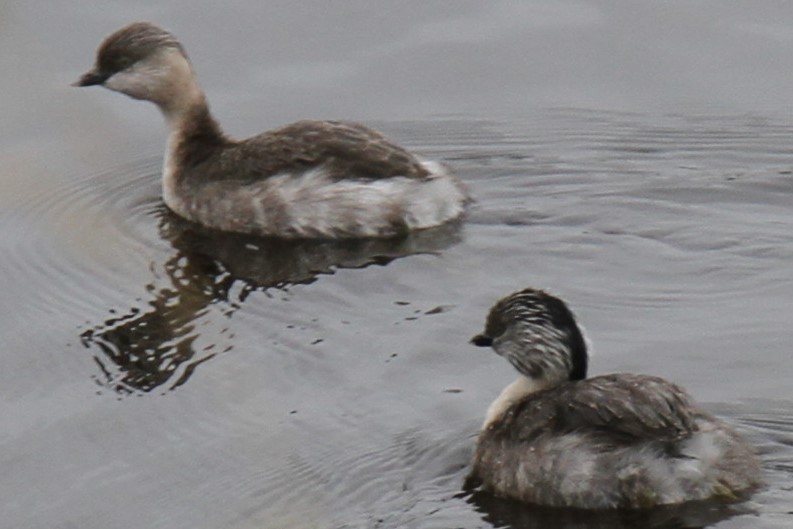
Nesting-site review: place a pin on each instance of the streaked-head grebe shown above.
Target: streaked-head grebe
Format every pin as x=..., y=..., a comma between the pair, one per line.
x=310, y=179
x=557, y=438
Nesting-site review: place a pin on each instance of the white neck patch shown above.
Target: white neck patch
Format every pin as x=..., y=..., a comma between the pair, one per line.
x=510, y=395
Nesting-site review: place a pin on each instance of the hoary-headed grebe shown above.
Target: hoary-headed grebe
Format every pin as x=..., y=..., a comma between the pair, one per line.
x=310, y=179
x=557, y=438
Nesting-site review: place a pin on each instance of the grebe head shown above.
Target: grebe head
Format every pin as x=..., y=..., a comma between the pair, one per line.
x=143, y=61
x=539, y=336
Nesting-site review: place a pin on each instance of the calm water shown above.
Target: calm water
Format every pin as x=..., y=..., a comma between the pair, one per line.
x=156, y=375
x=167, y=377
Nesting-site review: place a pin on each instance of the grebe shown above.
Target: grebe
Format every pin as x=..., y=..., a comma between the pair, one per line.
x=556, y=438
x=310, y=179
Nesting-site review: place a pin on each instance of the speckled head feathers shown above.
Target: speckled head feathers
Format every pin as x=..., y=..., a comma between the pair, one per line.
x=125, y=47
x=538, y=334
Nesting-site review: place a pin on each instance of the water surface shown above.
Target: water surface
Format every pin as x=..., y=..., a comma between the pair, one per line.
x=158, y=375
x=162, y=375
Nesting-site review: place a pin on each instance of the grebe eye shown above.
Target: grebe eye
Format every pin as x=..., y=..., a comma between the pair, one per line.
x=124, y=62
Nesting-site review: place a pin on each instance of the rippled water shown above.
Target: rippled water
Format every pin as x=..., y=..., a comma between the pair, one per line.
x=159, y=375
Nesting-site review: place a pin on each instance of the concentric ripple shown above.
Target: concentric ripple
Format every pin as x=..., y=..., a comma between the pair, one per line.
x=331, y=385
x=106, y=240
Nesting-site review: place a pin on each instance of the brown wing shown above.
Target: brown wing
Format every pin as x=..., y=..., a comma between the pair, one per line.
x=636, y=405
x=629, y=406
x=348, y=150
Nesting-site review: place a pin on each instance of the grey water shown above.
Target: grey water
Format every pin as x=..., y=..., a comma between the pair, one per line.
x=154, y=374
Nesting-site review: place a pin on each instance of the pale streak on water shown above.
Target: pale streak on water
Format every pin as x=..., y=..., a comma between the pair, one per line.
x=159, y=376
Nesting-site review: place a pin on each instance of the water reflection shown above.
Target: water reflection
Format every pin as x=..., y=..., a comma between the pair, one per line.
x=152, y=345
x=502, y=512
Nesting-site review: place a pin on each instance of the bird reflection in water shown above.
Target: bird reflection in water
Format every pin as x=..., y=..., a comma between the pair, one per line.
x=152, y=346
x=507, y=513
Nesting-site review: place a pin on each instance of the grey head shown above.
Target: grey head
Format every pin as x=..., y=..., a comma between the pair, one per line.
x=537, y=333
x=135, y=60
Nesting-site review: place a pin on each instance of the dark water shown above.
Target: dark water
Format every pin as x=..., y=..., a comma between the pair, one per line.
x=158, y=375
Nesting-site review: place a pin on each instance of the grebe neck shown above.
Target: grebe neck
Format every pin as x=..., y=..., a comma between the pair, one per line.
x=194, y=137
x=511, y=394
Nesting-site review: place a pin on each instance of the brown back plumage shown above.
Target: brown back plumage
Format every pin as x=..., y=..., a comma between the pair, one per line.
x=625, y=408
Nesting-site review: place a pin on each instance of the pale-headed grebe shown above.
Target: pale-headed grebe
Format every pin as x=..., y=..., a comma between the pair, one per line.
x=557, y=438
x=310, y=179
